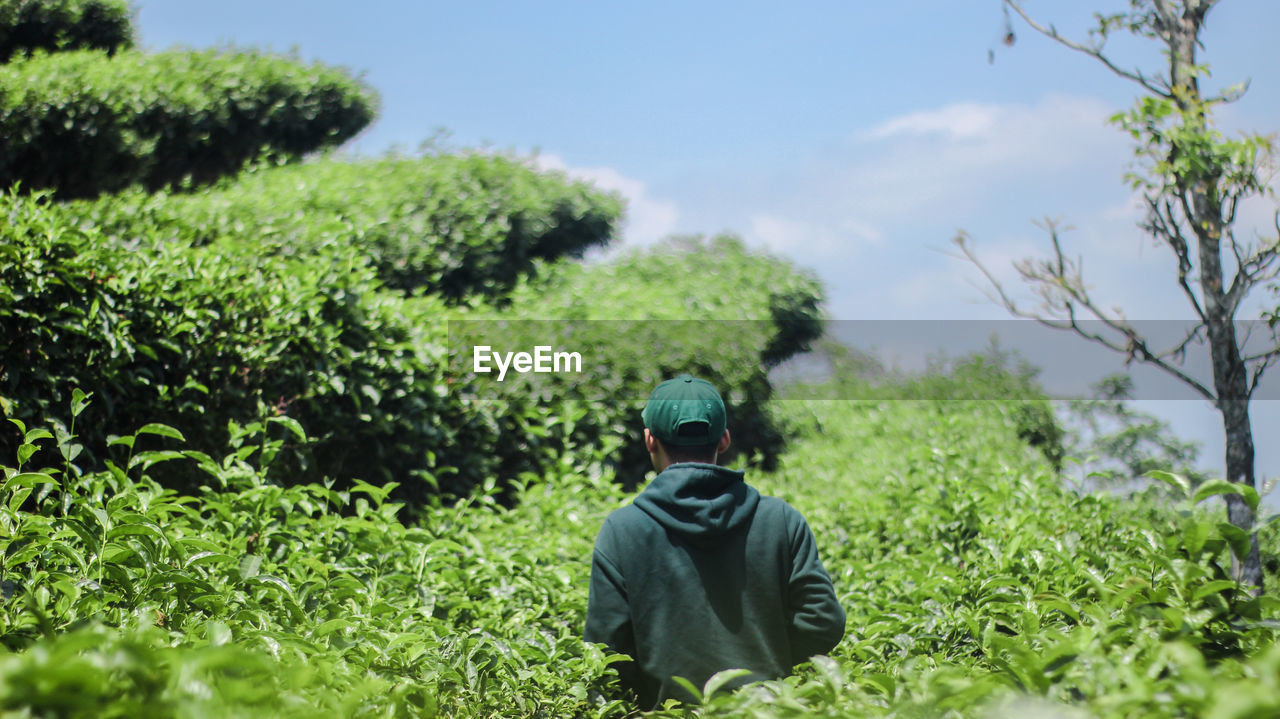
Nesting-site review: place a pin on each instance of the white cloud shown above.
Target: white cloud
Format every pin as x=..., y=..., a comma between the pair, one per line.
x=963, y=119
x=647, y=221
x=946, y=160
x=875, y=217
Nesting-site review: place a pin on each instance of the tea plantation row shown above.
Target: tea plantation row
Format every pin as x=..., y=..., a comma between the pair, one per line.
x=971, y=578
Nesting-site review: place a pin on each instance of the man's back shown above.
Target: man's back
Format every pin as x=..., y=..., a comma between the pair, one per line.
x=701, y=574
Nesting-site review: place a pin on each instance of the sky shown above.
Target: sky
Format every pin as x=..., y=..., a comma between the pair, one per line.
x=853, y=138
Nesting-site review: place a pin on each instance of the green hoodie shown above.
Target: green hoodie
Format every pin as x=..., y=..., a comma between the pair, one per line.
x=702, y=573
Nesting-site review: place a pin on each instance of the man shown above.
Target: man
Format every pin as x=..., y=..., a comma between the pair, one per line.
x=701, y=573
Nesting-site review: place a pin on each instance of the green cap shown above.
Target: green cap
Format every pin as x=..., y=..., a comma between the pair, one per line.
x=685, y=412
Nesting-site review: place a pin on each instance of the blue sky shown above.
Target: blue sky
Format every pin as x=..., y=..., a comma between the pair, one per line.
x=854, y=138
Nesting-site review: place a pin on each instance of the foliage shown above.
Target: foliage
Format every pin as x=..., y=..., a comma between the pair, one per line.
x=992, y=374
x=122, y=598
x=196, y=337
x=454, y=225
x=970, y=577
x=84, y=123
x=58, y=25
x=199, y=337
x=1120, y=443
x=1192, y=180
x=709, y=307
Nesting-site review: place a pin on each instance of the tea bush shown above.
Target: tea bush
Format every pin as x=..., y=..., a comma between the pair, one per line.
x=84, y=123
x=709, y=307
x=975, y=585
x=56, y=25
x=123, y=598
x=197, y=337
x=456, y=226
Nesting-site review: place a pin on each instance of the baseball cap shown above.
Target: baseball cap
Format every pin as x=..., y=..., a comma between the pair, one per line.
x=685, y=412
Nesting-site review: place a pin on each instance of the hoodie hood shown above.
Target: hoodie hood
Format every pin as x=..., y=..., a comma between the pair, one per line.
x=700, y=501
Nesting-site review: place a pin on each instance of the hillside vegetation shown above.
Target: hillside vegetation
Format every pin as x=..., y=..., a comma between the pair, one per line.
x=970, y=576
x=248, y=467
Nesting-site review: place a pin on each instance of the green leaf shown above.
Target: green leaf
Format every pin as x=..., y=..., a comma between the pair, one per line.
x=1212, y=587
x=275, y=582
x=721, y=678
x=126, y=440
x=217, y=633
x=35, y=434
x=291, y=424
x=882, y=683
x=137, y=529
x=689, y=687
x=206, y=557
x=1176, y=480
x=79, y=400
x=146, y=460
x=332, y=626
x=1194, y=536
x=1236, y=537
x=249, y=565
x=1213, y=488
x=29, y=479
x=25, y=452
x=90, y=539
x=830, y=670
x=162, y=430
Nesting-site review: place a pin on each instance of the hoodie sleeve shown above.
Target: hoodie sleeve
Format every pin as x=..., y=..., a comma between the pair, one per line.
x=608, y=614
x=817, y=619
x=608, y=617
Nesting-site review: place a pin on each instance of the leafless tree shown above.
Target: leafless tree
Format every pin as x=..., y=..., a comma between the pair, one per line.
x=1192, y=180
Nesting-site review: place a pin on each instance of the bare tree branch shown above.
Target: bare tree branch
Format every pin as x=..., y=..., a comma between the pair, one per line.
x=1061, y=275
x=1179, y=351
x=1095, y=52
x=1163, y=224
x=1268, y=359
x=1252, y=269
x=1273, y=352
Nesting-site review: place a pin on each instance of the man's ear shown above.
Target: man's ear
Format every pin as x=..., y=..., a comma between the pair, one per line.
x=724, y=442
x=650, y=442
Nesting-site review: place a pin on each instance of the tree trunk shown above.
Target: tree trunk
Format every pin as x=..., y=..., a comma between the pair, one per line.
x=1230, y=375
x=1239, y=435
x=1231, y=382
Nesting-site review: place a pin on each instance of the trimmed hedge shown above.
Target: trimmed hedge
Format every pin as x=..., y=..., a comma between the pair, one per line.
x=200, y=338
x=203, y=337
x=712, y=308
x=456, y=226
x=58, y=25
x=83, y=123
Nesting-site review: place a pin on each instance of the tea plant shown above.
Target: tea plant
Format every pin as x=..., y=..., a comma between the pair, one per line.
x=123, y=597
x=55, y=25
x=83, y=123
x=973, y=581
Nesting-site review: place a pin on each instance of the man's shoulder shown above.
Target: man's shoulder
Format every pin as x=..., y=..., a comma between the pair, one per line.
x=625, y=518
x=777, y=513
x=777, y=506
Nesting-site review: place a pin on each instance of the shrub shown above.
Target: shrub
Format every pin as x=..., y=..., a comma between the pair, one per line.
x=456, y=226
x=708, y=307
x=56, y=25
x=199, y=337
x=83, y=123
